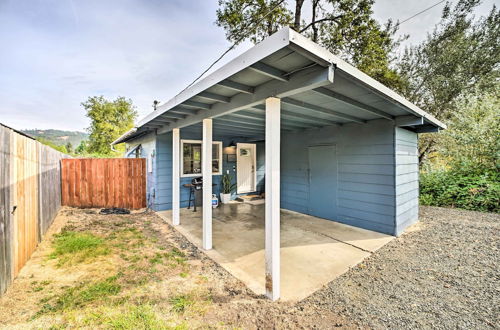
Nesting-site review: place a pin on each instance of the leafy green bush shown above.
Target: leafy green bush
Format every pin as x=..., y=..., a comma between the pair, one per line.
x=478, y=191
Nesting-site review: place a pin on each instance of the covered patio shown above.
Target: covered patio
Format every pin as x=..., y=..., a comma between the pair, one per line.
x=334, y=144
x=314, y=251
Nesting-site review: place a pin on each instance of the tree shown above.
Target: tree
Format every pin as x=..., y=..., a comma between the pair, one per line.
x=461, y=55
x=345, y=27
x=108, y=120
x=473, y=140
x=69, y=147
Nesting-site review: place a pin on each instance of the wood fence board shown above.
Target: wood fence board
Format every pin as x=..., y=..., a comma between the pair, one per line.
x=114, y=182
x=30, y=183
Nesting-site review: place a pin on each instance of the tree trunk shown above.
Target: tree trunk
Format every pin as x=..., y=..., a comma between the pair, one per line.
x=315, y=4
x=298, y=12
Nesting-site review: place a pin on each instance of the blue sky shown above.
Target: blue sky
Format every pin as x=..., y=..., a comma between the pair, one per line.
x=56, y=53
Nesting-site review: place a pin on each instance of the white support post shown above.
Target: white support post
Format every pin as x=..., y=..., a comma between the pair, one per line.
x=272, y=222
x=206, y=170
x=176, y=177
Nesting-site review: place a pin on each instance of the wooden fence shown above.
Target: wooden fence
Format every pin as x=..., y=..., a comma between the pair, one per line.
x=30, y=193
x=97, y=182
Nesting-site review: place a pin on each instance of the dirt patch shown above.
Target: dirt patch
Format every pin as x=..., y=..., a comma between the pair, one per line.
x=149, y=277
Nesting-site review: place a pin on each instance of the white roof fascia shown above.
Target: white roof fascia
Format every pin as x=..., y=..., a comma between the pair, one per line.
x=320, y=52
x=267, y=47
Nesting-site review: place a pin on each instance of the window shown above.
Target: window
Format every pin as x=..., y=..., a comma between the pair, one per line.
x=191, y=158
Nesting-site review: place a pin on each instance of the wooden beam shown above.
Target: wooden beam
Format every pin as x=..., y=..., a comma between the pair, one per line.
x=176, y=176
x=206, y=170
x=323, y=110
x=272, y=202
x=269, y=71
x=299, y=82
x=354, y=103
x=236, y=86
x=184, y=111
x=409, y=121
x=214, y=97
x=426, y=129
x=196, y=105
x=169, y=114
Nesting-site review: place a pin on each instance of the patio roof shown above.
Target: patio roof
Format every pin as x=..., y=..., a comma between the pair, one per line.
x=316, y=89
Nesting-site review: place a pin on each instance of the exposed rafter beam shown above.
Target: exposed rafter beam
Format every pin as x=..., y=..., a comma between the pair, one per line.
x=352, y=102
x=239, y=127
x=426, y=129
x=290, y=114
x=269, y=71
x=319, y=109
x=409, y=121
x=169, y=114
x=214, y=97
x=184, y=111
x=299, y=82
x=197, y=105
x=258, y=122
x=236, y=86
x=164, y=120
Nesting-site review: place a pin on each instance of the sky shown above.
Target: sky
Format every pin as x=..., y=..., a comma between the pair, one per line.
x=56, y=53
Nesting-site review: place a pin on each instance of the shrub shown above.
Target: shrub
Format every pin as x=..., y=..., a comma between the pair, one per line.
x=470, y=190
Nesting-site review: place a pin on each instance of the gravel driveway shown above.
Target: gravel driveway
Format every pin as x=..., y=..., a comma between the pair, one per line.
x=441, y=274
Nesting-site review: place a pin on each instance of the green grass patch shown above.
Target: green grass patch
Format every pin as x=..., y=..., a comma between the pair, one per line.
x=133, y=317
x=74, y=247
x=79, y=296
x=182, y=302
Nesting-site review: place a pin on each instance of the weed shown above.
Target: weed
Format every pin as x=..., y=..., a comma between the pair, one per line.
x=183, y=274
x=70, y=246
x=181, y=302
x=157, y=259
x=75, y=297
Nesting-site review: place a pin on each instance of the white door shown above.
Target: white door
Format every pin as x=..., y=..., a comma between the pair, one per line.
x=246, y=175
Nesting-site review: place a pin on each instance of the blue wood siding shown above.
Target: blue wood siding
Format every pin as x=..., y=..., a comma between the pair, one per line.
x=406, y=145
x=163, y=199
x=377, y=173
x=365, y=163
x=148, y=149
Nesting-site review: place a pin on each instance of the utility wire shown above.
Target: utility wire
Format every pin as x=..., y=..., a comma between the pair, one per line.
x=421, y=12
x=256, y=24
x=243, y=37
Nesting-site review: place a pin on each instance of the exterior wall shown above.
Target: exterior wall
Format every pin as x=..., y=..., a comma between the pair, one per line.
x=163, y=199
x=365, y=163
x=148, y=151
x=377, y=173
x=406, y=145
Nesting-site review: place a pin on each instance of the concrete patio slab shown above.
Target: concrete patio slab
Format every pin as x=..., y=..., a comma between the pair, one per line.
x=314, y=251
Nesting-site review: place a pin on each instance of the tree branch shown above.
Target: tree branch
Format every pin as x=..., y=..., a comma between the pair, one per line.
x=332, y=19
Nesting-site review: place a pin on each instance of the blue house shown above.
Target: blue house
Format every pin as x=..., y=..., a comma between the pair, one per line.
x=289, y=120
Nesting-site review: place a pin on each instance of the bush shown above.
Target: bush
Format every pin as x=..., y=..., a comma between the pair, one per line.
x=478, y=191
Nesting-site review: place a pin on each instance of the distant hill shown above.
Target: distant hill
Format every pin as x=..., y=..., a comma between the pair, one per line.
x=58, y=137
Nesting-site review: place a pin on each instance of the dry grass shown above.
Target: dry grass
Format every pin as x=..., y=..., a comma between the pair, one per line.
x=133, y=272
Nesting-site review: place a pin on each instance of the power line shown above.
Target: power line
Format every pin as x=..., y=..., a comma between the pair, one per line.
x=233, y=45
x=421, y=12
x=256, y=24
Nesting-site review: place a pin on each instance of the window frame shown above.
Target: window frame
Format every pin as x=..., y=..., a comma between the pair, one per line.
x=181, y=157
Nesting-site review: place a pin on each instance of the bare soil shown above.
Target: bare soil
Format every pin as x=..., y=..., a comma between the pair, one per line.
x=211, y=297
x=442, y=273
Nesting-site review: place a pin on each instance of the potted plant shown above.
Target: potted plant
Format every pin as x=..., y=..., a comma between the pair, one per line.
x=227, y=187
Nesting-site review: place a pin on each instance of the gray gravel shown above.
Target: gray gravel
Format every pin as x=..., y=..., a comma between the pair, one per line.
x=442, y=275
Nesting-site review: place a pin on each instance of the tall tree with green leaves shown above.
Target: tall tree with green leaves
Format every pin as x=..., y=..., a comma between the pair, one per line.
x=108, y=120
x=461, y=55
x=345, y=27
